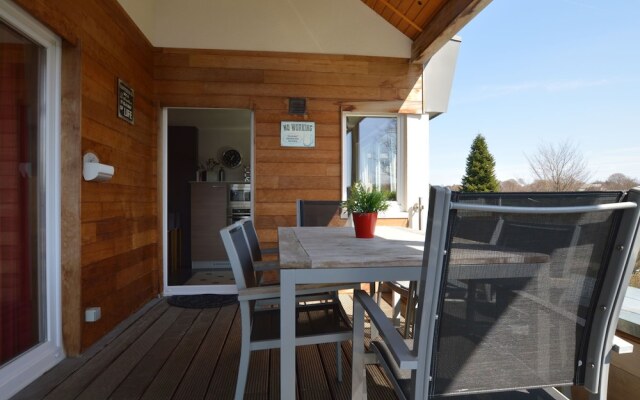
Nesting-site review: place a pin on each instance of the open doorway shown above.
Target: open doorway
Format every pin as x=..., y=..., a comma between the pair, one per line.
x=208, y=167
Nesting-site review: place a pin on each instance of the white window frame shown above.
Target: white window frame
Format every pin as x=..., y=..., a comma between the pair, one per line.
x=398, y=208
x=21, y=371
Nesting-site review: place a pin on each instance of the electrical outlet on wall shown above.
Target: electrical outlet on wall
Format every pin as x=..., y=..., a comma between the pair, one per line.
x=92, y=314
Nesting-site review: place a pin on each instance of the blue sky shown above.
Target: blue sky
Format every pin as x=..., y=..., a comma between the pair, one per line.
x=544, y=71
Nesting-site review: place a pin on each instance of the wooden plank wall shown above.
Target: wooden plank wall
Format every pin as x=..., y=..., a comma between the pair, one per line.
x=263, y=82
x=120, y=269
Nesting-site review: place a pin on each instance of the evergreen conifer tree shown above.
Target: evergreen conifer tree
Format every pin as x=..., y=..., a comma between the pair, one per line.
x=480, y=174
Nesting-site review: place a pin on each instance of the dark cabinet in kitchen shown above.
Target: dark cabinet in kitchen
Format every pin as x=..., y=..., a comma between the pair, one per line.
x=181, y=169
x=208, y=216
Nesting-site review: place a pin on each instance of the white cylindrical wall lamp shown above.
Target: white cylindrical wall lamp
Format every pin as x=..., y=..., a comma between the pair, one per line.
x=94, y=171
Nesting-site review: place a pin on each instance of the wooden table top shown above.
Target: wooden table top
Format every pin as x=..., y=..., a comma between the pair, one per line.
x=329, y=247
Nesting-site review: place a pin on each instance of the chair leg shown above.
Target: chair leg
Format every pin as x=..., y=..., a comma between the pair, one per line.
x=410, y=312
x=245, y=352
x=396, y=303
x=373, y=291
x=339, y=360
x=372, y=288
x=358, y=370
x=243, y=371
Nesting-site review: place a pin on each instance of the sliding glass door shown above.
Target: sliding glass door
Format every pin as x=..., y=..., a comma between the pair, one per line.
x=29, y=244
x=21, y=276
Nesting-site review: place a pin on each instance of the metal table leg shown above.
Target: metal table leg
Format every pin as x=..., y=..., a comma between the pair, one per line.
x=287, y=335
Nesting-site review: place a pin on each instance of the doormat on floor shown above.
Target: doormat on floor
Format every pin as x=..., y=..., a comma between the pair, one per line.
x=203, y=300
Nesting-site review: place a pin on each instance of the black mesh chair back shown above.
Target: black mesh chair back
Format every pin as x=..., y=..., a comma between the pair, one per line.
x=239, y=254
x=319, y=213
x=252, y=239
x=520, y=292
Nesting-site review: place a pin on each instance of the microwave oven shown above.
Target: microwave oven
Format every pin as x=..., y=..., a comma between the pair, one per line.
x=239, y=193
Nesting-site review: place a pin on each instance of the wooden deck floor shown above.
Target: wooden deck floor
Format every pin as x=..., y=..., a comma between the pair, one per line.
x=165, y=352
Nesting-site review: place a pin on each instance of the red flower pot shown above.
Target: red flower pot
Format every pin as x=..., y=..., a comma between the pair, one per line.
x=365, y=224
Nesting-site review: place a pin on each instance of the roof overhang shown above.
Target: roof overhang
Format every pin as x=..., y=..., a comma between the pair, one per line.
x=393, y=28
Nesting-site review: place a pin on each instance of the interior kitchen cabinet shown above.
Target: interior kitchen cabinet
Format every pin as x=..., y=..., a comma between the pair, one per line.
x=182, y=167
x=208, y=216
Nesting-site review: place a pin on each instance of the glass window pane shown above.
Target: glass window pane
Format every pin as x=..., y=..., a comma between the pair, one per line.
x=374, y=149
x=21, y=278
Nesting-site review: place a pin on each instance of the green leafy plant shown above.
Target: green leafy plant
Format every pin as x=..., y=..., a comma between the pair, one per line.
x=363, y=200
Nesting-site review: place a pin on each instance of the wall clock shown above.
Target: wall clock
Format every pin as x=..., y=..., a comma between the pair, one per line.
x=230, y=158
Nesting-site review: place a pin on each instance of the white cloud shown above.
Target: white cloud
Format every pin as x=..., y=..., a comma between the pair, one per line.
x=485, y=92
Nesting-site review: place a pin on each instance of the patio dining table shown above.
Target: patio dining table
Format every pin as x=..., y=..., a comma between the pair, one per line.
x=334, y=255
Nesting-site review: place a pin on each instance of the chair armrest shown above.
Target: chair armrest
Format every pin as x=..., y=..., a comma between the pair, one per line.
x=621, y=346
x=273, y=292
x=265, y=265
x=259, y=293
x=324, y=287
x=401, y=353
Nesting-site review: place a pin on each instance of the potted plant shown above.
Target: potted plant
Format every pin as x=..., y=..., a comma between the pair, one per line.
x=364, y=205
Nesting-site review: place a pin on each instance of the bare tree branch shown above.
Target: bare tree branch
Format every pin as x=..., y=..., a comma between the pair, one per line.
x=559, y=168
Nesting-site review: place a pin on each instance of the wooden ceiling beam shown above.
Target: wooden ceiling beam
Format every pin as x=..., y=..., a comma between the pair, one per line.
x=443, y=26
x=400, y=14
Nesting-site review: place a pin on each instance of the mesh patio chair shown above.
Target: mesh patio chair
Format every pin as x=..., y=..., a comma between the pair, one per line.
x=320, y=322
x=268, y=272
x=319, y=213
x=270, y=278
x=560, y=267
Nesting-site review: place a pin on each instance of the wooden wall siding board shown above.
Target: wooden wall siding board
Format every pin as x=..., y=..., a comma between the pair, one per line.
x=204, y=101
x=291, y=195
x=319, y=117
x=118, y=193
x=115, y=215
x=309, y=156
x=301, y=182
x=209, y=74
x=265, y=182
x=284, y=63
x=276, y=209
x=268, y=221
x=322, y=143
x=270, y=90
x=294, y=169
x=323, y=78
